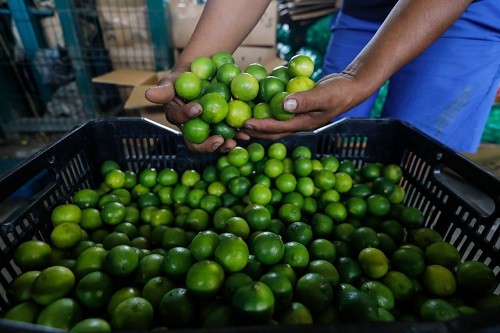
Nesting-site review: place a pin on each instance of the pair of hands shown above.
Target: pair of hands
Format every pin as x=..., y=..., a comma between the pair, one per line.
x=333, y=95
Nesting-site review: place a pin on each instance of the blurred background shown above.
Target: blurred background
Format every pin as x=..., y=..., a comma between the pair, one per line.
x=65, y=62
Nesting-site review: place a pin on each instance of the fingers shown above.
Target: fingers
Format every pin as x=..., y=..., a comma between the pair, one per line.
x=161, y=94
x=212, y=144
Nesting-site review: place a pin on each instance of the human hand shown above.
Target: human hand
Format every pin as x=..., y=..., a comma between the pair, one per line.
x=177, y=113
x=333, y=95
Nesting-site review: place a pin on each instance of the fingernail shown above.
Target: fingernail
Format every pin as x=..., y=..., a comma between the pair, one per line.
x=194, y=110
x=290, y=105
x=248, y=126
x=216, y=144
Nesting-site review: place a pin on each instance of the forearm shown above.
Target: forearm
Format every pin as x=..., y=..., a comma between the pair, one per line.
x=409, y=29
x=223, y=26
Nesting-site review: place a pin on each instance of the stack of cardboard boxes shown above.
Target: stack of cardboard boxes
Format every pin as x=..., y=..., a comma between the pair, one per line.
x=259, y=46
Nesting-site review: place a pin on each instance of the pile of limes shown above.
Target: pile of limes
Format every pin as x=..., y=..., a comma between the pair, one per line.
x=263, y=236
x=230, y=95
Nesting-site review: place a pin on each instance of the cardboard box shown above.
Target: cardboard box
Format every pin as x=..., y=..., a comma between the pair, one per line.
x=186, y=13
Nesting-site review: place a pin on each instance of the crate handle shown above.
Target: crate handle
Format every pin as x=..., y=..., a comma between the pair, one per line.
x=475, y=198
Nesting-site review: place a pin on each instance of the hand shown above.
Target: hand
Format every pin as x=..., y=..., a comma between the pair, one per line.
x=177, y=112
x=333, y=95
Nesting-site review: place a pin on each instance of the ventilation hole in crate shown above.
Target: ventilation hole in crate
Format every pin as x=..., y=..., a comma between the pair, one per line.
x=494, y=233
x=477, y=255
x=434, y=218
x=6, y=275
x=453, y=237
x=469, y=251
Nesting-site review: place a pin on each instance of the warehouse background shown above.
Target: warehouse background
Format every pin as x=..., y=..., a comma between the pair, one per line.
x=65, y=62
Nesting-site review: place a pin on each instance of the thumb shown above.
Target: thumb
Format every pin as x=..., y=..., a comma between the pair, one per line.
x=161, y=94
x=302, y=102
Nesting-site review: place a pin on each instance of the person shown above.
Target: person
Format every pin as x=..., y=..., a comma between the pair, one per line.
x=440, y=57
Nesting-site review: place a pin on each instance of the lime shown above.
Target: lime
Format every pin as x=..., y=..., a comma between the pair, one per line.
x=205, y=278
x=32, y=255
x=314, y=291
x=134, y=313
x=244, y=87
x=300, y=65
x=373, y=262
x=94, y=290
x=62, y=313
x=196, y=130
x=254, y=302
x=438, y=310
x=214, y=108
x=238, y=113
x=232, y=254
x=66, y=213
x=358, y=306
x=204, y=67
x=51, y=284
x=188, y=86
x=277, y=110
x=268, y=248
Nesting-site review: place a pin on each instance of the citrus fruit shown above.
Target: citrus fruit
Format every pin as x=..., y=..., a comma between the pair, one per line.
x=382, y=294
x=214, y=108
x=113, y=213
x=438, y=310
x=107, y=166
x=121, y=260
x=269, y=87
x=232, y=254
x=238, y=113
x=282, y=73
x=244, y=87
x=254, y=302
x=204, y=67
x=314, y=291
x=66, y=235
x=188, y=86
x=177, y=262
x=66, y=213
x=408, y=261
x=62, y=313
x=221, y=57
x=299, y=84
x=358, y=306
x=177, y=308
x=295, y=255
x=91, y=325
x=300, y=65
x=85, y=198
x=373, y=262
x=258, y=71
x=476, y=276
x=227, y=72
x=205, y=278
x=277, y=110
x=32, y=255
x=94, y=290
x=52, y=283
x=155, y=288
x=223, y=129
x=119, y=296
x=115, y=178
x=20, y=287
x=281, y=288
x=134, y=313
x=204, y=244
x=400, y=285
x=258, y=217
x=196, y=130
x=268, y=248
x=26, y=312
x=221, y=89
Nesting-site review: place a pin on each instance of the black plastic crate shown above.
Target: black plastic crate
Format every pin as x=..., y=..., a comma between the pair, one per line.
x=458, y=198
